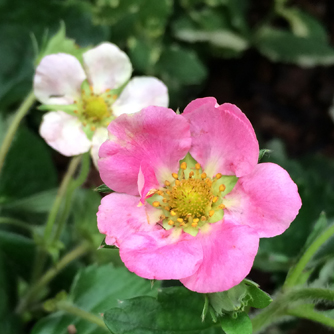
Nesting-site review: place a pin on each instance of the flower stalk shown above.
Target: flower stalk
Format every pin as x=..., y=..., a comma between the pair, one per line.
x=21, y=112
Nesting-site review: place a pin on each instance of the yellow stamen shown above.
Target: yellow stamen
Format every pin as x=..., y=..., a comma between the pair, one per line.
x=167, y=183
x=172, y=212
x=203, y=218
x=170, y=222
x=193, y=224
x=183, y=165
x=203, y=176
x=177, y=182
x=156, y=204
x=159, y=192
x=175, y=176
x=180, y=220
x=211, y=213
x=218, y=176
x=222, y=187
x=191, y=174
x=221, y=206
x=215, y=199
x=198, y=166
x=93, y=128
x=195, y=221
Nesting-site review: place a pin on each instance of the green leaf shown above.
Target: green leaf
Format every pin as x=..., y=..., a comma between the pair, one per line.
x=19, y=251
x=103, y=189
x=284, y=46
x=176, y=310
x=10, y=323
x=95, y=290
x=240, y=325
x=260, y=299
x=28, y=168
x=181, y=65
x=262, y=153
x=60, y=43
x=39, y=202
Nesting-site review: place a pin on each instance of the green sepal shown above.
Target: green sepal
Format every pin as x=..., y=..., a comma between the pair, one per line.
x=229, y=181
x=166, y=226
x=217, y=216
x=241, y=324
x=68, y=108
x=104, y=245
x=191, y=230
x=230, y=300
x=259, y=298
x=153, y=198
x=191, y=162
x=103, y=189
x=262, y=153
x=88, y=131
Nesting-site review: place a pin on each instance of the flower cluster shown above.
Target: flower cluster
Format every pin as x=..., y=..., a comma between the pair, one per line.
x=83, y=100
x=191, y=200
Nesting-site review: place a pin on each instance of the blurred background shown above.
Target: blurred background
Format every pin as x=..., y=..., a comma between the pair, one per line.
x=273, y=59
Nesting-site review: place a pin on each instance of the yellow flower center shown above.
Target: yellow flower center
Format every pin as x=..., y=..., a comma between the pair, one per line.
x=95, y=108
x=192, y=199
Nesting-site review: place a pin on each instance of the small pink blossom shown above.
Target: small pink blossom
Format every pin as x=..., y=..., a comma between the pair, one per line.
x=83, y=100
x=191, y=200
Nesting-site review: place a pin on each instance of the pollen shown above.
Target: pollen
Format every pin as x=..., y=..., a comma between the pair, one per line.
x=170, y=222
x=211, y=213
x=183, y=165
x=175, y=176
x=222, y=187
x=203, y=176
x=198, y=166
x=218, y=176
x=156, y=204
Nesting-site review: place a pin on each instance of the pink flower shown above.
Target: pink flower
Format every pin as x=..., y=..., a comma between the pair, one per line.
x=84, y=100
x=204, y=201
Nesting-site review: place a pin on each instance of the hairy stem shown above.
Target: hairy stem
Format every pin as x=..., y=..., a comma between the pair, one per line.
x=280, y=305
x=70, y=308
x=20, y=113
x=297, y=270
x=41, y=255
x=308, y=313
x=15, y=222
x=50, y=274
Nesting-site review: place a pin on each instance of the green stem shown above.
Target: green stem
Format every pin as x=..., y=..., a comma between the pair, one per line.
x=70, y=308
x=60, y=195
x=85, y=167
x=307, y=313
x=41, y=255
x=50, y=274
x=279, y=306
x=21, y=112
x=297, y=270
x=15, y=222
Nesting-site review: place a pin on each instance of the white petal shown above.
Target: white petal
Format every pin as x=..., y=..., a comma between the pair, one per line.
x=100, y=136
x=64, y=133
x=58, y=79
x=107, y=67
x=139, y=93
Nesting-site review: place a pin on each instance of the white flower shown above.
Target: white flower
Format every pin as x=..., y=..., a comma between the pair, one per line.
x=85, y=101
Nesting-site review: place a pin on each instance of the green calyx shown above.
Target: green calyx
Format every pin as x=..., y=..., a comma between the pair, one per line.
x=192, y=199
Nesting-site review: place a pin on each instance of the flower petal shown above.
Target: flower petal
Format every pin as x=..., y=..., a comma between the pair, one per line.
x=58, y=79
x=119, y=217
x=99, y=137
x=266, y=200
x=140, y=93
x=228, y=255
x=155, y=136
x=223, y=139
x=161, y=254
x=64, y=133
x=107, y=67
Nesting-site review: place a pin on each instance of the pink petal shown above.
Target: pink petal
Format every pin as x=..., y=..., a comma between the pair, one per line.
x=266, y=200
x=140, y=93
x=161, y=255
x=107, y=67
x=64, y=133
x=228, y=255
x=99, y=137
x=58, y=79
x=155, y=137
x=223, y=139
x=119, y=217
x=146, y=180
